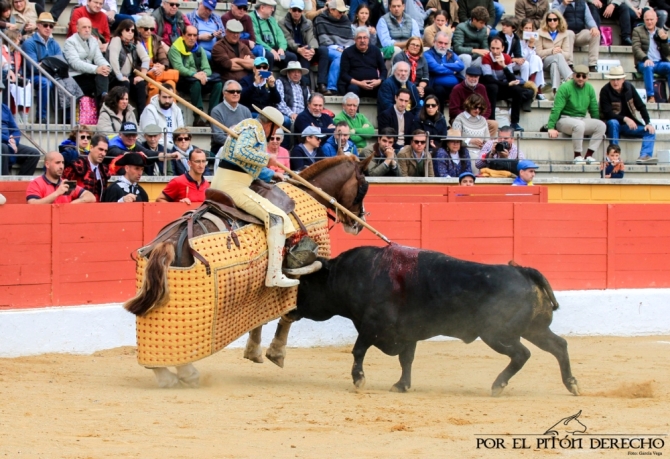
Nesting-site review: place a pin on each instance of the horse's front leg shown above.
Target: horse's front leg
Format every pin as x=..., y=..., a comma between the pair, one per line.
x=253, y=350
x=165, y=378
x=277, y=349
x=188, y=375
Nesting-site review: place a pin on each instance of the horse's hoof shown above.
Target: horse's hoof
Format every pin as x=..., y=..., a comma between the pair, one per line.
x=359, y=383
x=253, y=353
x=256, y=358
x=189, y=376
x=400, y=388
x=165, y=378
x=276, y=359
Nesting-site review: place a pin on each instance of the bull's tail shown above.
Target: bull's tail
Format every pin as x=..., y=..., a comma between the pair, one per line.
x=154, y=292
x=541, y=281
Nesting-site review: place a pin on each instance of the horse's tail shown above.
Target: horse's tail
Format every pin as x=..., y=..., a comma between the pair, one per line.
x=154, y=292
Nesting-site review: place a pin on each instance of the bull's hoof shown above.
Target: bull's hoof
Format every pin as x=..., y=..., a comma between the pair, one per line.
x=399, y=387
x=276, y=359
x=359, y=383
x=497, y=391
x=573, y=386
x=189, y=376
x=165, y=378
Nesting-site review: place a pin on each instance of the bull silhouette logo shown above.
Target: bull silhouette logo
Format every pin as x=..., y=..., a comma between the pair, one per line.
x=569, y=425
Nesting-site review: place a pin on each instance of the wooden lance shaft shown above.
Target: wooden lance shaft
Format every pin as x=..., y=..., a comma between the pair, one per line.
x=295, y=176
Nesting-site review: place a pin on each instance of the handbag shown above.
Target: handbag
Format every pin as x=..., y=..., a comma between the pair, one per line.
x=55, y=67
x=605, y=36
x=88, y=114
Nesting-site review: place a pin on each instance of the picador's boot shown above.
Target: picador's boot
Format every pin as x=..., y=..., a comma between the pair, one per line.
x=276, y=240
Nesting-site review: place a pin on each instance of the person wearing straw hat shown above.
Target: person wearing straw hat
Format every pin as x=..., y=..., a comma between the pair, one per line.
x=619, y=101
x=293, y=91
x=452, y=158
x=244, y=159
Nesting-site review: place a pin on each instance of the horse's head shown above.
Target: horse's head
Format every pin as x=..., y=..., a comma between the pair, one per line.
x=352, y=195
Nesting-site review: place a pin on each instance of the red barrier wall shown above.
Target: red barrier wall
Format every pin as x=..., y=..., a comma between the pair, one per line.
x=79, y=254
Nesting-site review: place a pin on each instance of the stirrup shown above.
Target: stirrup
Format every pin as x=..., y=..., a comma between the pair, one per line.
x=309, y=269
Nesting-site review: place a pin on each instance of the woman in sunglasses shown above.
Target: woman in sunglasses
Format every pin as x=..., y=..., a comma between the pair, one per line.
x=125, y=55
x=280, y=153
x=182, y=145
x=159, y=64
x=431, y=120
x=555, y=48
x=77, y=144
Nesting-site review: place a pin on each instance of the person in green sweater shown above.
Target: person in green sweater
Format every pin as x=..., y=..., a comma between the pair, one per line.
x=574, y=99
x=270, y=36
x=361, y=128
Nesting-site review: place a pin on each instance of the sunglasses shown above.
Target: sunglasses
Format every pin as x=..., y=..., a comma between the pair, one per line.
x=48, y=26
x=183, y=139
x=419, y=142
x=581, y=75
x=296, y=10
x=276, y=138
x=152, y=29
x=174, y=5
x=85, y=137
x=262, y=67
x=129, y=30
x=552, y=19
x=243, y=8
x=234, y=91
x=431, y=105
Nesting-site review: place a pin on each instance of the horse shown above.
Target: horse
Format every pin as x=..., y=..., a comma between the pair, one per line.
x=341, y=177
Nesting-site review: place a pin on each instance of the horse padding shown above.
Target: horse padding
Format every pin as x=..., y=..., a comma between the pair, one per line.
x=206, y=313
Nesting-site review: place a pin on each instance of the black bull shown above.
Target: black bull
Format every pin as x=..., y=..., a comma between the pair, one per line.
x=396, y=296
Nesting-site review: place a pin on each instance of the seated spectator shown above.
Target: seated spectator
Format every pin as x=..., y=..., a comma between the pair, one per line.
x=163, y=112
x=467, y=179
x=281, y=154
x=465, y=89
x=466, y=7
x=414, y=160
x=384, y=163
x=183, y=146
x=89, y=171
x=362, y=19
x=159, y=64
x=126, y=55
x=38, y=47
x=446, y=6
x=231, y=58
x=308, y=151
x=170, y=22
x=396, y=27
x=531, y=9
x=376, y=8
x=362, y=67
x=398, y=80
x=470, y=40
x=209, y=25
x=293, y=92
x=526, y=173
x=627, y=16
x=618, y=102
x=535, y=66
x=333, y=31
x=257, y=90
x=612, y=167
x=300, y=39
x=12, y=150
x=115, y=111
x=109, y=8
x=431, y=120
x=651, y=56
x=471, y=123
x=512, y=47
x=398, y=118
x=126, y=142
x=555, y=48
x=500, y=155
x=444, y=67
x=574, y=100
x=361, y=128
x=189, y=187
x=134, y=8
x=416, y=10
x=339, y=142
x=87, y=65
x=229, y=113
x=99, y=21
x=77, y=144
x=497, y=72
x=441, y=23
x=153, y=135
x=24, y=15
x=313, y=115
x=452, y=158
x=418, y=67
x=127, y=188
x=195, y=75
x=269, y=35
x=51, y=189
x=582, y=28
x=20, y=88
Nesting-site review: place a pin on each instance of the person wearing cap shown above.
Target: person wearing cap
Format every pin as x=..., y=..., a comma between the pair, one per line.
x=50, y=188
x=452, y=158
x=398, y=80
x=651, y=51
x=12, y=150
x=308, y=151
x=209, y=25
x=362, y=68
x=242, y=160
x=396, y=27
x=339, y=142
x=300, y=39
x=239, y=10
x=257, y=90
x=526, y=173
x=229, y=113
x=99, y=21
x=195, y=74
x=398, y=118
x=170, y=22
x=38, y=47
x=89, y=171
x=361, y=127
x=189, y=187
x=507, y=150
x=333, y=31
x=231, y=58
x=384, y=162
x=293, y=91
x=125, y=142
x=127, y=188
x=465, y=89
x=163, y=112
x=619, y=101
x=467, y=179
x=153, y=135
x=574, y=99
x=269, y=35
x=445, y=68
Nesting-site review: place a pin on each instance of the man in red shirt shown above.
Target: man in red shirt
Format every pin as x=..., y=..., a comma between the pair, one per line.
x=50, y=189
x=189, y=187
x=93, y=11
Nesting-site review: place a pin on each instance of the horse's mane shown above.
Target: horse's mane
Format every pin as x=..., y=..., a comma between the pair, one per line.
x=327, y=163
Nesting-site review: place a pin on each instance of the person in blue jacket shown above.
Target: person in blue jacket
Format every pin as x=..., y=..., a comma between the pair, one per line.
x=340, y=138
x=444, y=67
x=399, y=79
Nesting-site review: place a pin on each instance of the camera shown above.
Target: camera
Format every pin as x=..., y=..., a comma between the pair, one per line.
x=502, y=146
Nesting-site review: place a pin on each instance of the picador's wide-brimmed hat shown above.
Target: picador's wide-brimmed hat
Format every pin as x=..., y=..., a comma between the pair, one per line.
x=273, y=115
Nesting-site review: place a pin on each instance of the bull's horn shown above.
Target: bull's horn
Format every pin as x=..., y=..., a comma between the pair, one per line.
x=309, y=269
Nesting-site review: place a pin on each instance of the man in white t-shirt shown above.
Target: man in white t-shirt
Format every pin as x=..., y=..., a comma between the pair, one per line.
x=165, y=113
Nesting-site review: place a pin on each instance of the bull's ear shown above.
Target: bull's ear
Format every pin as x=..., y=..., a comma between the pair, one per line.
x=366, y=162
x=325, y=264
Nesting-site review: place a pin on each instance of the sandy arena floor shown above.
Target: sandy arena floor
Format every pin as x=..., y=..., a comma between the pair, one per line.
x=107, y=406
